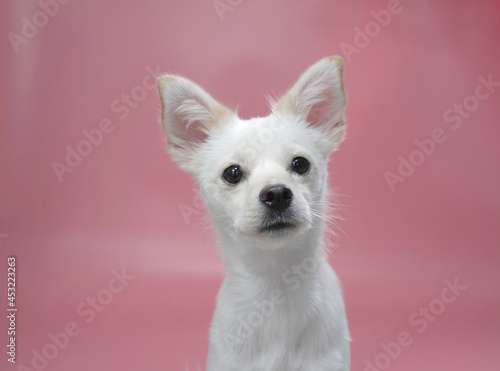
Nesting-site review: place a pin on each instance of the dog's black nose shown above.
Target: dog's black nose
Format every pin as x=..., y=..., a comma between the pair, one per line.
x=277, y=197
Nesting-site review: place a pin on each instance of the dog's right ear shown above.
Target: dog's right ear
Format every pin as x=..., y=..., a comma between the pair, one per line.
x=189, y=114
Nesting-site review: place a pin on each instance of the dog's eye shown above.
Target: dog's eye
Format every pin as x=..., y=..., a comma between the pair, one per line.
x=300, y=165
x=232, y=174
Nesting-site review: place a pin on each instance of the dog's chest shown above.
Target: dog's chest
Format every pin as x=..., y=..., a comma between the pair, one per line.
x=276, y=320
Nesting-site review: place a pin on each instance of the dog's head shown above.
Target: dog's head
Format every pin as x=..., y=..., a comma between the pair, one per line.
x=264, y=178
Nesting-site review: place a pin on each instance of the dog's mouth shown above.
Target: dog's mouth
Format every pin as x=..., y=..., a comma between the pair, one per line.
x=277, y=224
x=278, y=227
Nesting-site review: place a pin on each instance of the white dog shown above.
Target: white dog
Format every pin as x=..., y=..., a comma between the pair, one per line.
x=264, y=184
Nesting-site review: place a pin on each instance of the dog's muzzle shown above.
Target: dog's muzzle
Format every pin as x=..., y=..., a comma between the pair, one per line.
x=277, y=198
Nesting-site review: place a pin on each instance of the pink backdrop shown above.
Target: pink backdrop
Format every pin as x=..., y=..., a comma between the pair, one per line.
x=417, y=76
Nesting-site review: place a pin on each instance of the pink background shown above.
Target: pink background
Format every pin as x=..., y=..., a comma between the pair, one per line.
x=121, y=206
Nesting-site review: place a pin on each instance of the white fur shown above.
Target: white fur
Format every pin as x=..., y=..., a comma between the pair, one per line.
x=280, y=306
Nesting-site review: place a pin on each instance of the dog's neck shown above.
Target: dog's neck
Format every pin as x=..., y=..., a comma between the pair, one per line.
x=249, y=259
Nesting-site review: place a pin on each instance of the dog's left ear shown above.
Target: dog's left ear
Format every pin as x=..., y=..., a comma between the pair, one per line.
x=318, y=99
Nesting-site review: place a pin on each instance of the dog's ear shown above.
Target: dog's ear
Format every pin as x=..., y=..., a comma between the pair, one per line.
x=318, y=99
x=189, y=115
